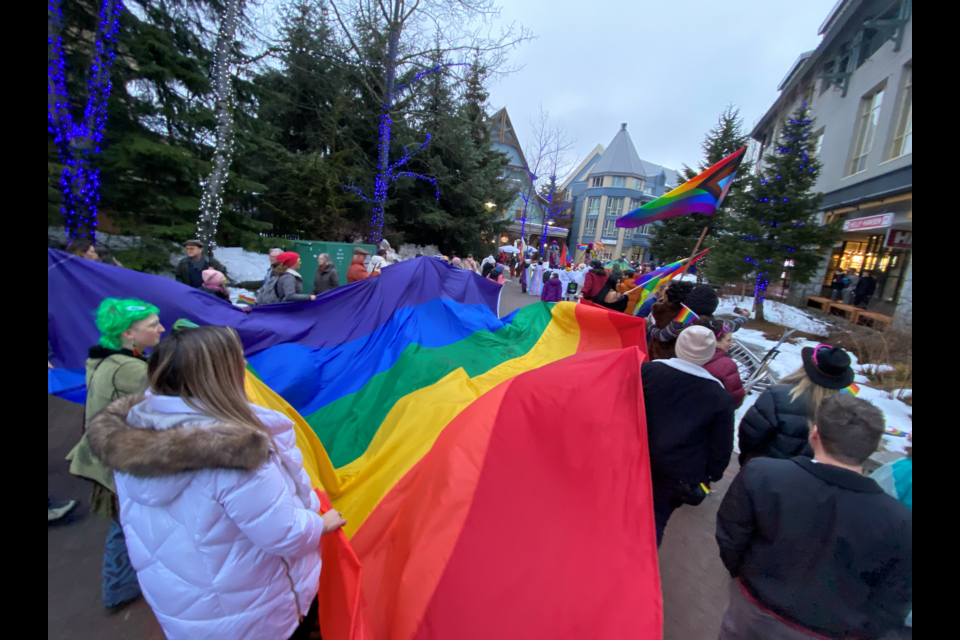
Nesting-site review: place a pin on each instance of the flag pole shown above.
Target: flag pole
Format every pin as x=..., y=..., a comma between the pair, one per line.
x=703, y=234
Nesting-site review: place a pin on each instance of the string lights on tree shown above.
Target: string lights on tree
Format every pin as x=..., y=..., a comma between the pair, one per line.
x=211, y=202
x=78, y=140
x=387, y=172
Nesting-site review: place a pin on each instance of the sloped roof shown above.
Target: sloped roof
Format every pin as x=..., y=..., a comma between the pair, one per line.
x=501, y=130
x=621, y=157
x=597, y=150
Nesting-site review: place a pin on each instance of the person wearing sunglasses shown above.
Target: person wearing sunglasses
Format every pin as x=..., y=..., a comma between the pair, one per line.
x=778, y=424
x=721, y=366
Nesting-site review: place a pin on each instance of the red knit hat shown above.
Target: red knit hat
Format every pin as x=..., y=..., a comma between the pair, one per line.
x=288, y=258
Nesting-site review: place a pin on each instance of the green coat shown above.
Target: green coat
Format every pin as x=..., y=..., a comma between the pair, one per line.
x=111, y=374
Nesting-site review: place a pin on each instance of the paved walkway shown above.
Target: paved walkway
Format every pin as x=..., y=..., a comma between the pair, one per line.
x=694, y=581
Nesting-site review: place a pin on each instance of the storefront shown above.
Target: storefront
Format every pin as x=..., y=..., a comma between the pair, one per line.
x=878, y=240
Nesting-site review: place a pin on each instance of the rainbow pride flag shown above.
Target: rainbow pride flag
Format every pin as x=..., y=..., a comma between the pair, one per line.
x=686, y=315
x=852, y=390
x=702, y=194
x=563, y=255
x=429, y=450
x=652, y=282
x=450, y=438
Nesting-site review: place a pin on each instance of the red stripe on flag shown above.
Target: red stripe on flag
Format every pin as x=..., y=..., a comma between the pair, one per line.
x=406, y=541
x=559, y=542
x=341, y=578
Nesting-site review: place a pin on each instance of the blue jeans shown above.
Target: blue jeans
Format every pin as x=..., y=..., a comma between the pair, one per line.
x=119, y=579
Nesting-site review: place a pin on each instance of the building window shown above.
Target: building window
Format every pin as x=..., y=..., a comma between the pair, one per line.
x=628, y=234
x=866, y=131
x=635, y=203
x=818, y=137
x=645, y=229
x=648, y=191
x=615, y=207
x=609, y=228
x=596, y=182
x=591, y=227
x=593, y=206
x=903, y=142
x=618, y=181
x=638, y=184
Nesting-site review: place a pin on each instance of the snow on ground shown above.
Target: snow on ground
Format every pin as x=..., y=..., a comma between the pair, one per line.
x=873, y=369
x=899, y=415
x=243, y=266
x=778, y=313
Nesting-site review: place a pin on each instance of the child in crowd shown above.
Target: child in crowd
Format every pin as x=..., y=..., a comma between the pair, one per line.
x=214, y=283
x=552, y=289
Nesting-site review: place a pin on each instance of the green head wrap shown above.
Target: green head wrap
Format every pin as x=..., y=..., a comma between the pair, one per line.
x=115, y=316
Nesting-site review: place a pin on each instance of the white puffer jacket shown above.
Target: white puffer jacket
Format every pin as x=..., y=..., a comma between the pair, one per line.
x=223, y=530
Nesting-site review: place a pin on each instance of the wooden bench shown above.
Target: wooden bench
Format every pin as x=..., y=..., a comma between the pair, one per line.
x=844, y=309
x=823, y=303
x=884, y=321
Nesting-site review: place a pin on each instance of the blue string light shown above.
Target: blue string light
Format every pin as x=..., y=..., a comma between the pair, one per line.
x=78, y=142
x=387, y=173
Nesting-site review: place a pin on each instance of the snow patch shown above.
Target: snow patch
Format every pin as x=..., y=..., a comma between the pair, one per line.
x=242, y=266
x=778, y=313
x=873, y=369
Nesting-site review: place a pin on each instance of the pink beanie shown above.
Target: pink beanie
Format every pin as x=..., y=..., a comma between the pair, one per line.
x=212, y=277
x=697, y=345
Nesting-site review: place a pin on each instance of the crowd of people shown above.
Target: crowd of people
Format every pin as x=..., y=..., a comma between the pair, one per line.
x=212, y=518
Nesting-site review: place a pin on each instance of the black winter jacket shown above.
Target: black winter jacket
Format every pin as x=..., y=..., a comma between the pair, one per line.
x=325, y=280
x=819, y=545
x=775, y=426
x=689, y=424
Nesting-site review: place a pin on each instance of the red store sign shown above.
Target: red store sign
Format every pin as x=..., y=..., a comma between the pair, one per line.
x=900, y=239
x=870, y=222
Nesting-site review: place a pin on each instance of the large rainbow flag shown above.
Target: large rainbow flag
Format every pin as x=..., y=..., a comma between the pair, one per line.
x=466, y=452
x=702, y=194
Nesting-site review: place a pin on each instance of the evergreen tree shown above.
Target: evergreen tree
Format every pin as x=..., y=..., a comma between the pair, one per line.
x=459, y=157
x=775, y=228
x=675, y=238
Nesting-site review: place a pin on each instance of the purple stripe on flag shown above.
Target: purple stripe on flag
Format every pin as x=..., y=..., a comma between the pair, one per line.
x=75, y=288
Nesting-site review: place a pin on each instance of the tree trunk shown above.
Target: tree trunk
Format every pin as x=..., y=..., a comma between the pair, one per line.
x=211, y=201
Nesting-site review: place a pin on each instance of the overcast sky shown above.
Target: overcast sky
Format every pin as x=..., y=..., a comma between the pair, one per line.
x=666, y=68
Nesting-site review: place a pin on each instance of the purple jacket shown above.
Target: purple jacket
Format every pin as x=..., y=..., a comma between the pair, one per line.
x=552, y=291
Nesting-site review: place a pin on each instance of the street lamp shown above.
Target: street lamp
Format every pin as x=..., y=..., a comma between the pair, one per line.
x=491, y=205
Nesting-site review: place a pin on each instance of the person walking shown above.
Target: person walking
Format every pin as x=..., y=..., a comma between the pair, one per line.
x=377, y=262
x=817, y=549
x=116, y=367
x=326, y=277
x=721, y=366
x=778, y=423
x=610, y=297
x=689, y=425
x=594, y=280
x=357, y=270
x=848, y=292
x=223, y=525
x=838, y=284
x=214, y=284
x=286, y=283
x=190, y=269
x=496, y=275
x=470, y=264
x=536, y=279
x=272, y=256
x=866, y=287
x=552, y=289
x=83, y=248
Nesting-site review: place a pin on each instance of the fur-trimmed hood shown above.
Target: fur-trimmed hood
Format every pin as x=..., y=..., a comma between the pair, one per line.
x=133, y=436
